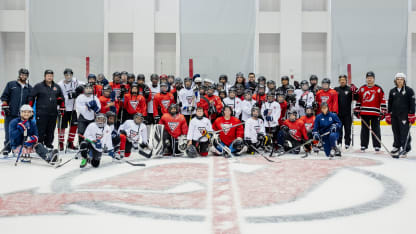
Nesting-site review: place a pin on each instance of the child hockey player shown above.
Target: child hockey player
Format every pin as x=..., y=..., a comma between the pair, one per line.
x=327, y=122
x=304, y=97
x=198, y=127
x=281, y=98
x=271, y=115
x=24, y=133
x=247, y=105
x=328, y=95
x=87, y=105
x=292, y=134
x=188, y=98
x=254, y=131
x=97, y=137
x=175, y=126
x=230, y=137
x=133, y=132
x=134, y=102
x=161, y=102
x=233, y=101
x=211, y=103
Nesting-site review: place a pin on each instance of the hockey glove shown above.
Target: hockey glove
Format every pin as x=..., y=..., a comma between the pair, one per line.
x=98, y=144
x=284, y=128
x=143, y=145
x=269, y=118
x=265, y=112
x=354, y=89
x=302, y=103
x=316, y=136
x=412, y=118
x=388, y=118
x=111, y=153
x=31, y=141
x=260, y=137
x=92, y=105
x=21, y=126
x=5, y=110
x=156, y=119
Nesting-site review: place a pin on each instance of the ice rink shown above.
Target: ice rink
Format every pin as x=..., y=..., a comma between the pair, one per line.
x=358, y=193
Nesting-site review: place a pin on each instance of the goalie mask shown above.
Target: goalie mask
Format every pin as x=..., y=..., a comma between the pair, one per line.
x=101, y=120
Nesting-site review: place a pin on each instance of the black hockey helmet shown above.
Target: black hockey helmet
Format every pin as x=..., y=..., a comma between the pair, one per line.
x=284, y=78
x=270, y=82
x=232, y=89
x=326, y=80
x=239, y=74
x=280, y=92
x=116, y=74
x=223, y=76
x=92, y=76
x=141, y=77
x=178, y=80
x=304, y=82
x=313, y=77
x=68, y=71
x=107, y=88
x=131, y=76
x=109, y=114
x=261, y=78
x=248, y=92
x=134, y=85
x=191, y=151
x=154, y=76
x=290, y=88
x=171, y=107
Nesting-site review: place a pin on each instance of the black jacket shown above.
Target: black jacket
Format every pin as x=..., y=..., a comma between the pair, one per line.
x=345, y=98
x=15, y=96
x=401, y=103
x=46, y=98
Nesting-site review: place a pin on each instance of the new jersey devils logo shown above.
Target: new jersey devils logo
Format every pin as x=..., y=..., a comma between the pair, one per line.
x=368, y=96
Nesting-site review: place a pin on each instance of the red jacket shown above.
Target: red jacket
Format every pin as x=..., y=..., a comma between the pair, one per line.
x=330, y=96
x=371, y=101
x=174, y=125
x=309, y=121
x=215, y=100
x=135, y=104
x=297, y=129
x=162, y=101
x=283, y=109
x=228, y=136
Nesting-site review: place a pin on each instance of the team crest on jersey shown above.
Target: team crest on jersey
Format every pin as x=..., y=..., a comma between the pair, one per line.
x=173, y=125
x=368, y=96
x=117, y=91
x=346, y=92
x=226, y=127
x=202, y=130
x=257, y=128
x=308, y=126
x=99, y=136
x=324, y=98
x=330, y=118
x=165, y=103
x=133, y=133
x=404, y=122
x=293, y=132
x=189, y=99
x=134, y=104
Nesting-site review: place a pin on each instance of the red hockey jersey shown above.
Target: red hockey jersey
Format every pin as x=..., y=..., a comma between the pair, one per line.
x=174, y=125
x=229, y=134
x=283, y=109
x=98, y=90
x=308, y=121
x=297, y=129
x=371, y=101
x=135, y=104
x=214, y=100
x=162, y=102
x=259, y=99
x=330, y=96
x=116, y=88
x=104, y=104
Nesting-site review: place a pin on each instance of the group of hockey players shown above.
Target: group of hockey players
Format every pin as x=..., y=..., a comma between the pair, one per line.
x=194, y=116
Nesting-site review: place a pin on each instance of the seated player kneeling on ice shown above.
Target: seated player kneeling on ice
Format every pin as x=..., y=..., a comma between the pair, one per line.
x=97, y=137
x=197, y=134
x=230, y=138
x=326, y=128
x=292, y=134
x=175, y=126
x=133, y=132
x=254, y=132
x=24, y=133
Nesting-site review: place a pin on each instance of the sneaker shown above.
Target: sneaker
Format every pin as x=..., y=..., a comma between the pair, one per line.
x=83, y=163
x=377, y=149
x=363, y=148
x=395, y=150
x=61, y=146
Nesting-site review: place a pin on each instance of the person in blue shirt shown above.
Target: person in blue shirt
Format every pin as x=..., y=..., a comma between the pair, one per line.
x=326, y=129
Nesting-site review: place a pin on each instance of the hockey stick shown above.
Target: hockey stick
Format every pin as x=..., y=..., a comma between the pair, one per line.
x=378, y=139
x=407, y=141
x=265, y=157
x=70, y=125
x=21, y=148
x=301, y=145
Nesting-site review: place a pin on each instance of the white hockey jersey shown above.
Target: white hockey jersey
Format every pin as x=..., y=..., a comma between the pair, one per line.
x=307, y=96
x=81, y=106
x=235, y=104
x=188, y=99
x=94, y=133
x=69, y=88
x=196, y=127
x=154, y=91
x=273, y=111
x=246, y=107
x=252, y=128
x=135, y=133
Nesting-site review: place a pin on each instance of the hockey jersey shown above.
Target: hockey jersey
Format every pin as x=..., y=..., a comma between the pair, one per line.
x=161, y=103
x=82, y=108
x=323, y=122
x=97, y=90
x=94, y=133
x=205, y=103
x=273, y=110
x=297, y=129
x=135, y=104
x=145, y=91
x=234, y=103
x=259, y=99
x=229, y=134
x=252, y=128
x=197, y=128
x=116, y=88
x=371, y=101
x=153, y=92
x=307, y=97
x=16, y=135
x=308, y=121
x=188, y=98
x=330, y=96
x=174, y=125
x=246, y=107
x=283, y=109
x=67, y=90
x=105, y=102
x=135, y=133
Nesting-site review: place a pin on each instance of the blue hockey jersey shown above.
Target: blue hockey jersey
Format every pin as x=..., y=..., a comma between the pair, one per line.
x=323, y=122
x=16, y=135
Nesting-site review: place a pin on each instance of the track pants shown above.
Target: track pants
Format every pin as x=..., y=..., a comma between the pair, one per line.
x=46, y=128
x=400, y=126
x=345, y=128
x=374, y=123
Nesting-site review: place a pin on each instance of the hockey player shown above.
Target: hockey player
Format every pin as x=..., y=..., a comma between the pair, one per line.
x=134, y=102
x=345, y=97
x=133, y=132
x=124, y=75
x=198, y=127
x=68, y=87
x=15, y=94
x=308, y=119
x=371, y=108
x=177, y=86
x=271, y=86
x=230, y=137
x=293, y=133
x=327, y=122
x=188, y=98
x=154, y=89
x=24, y=133
x=211, y=103
x=161, y=102
x=247, y=105
x=223, y=79
x=97, y=137
x=115, y=136
x=240, y=91
x=175, y=126
x=262, y=81
x=234, y=102
x=107, y=100
x=254, y=131
x=101, y=80
x=144, y=90
x=328, y=95
x=314, y=88
x=197, y=82
x=97, y=89
x=222, y=94
x=400, y=114
x=116, y=84
x=131, y=78
x=304, y=97
x=260, y=95
x=271, y=114
x=86, y=105
x=48, y=96
x=285, y=83
x=281, y=99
